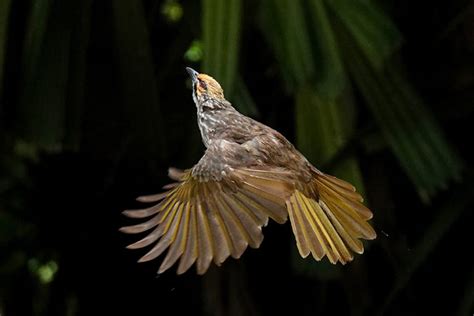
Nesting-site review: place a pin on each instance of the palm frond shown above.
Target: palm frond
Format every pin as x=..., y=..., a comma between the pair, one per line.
x=4, y=18
x=137, y=74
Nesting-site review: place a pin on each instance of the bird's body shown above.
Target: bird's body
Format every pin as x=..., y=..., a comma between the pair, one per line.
x=248, y=173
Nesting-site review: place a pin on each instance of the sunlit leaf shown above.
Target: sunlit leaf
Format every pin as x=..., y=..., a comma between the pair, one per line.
x=221, y=22
x=172, y=10
x=45, y=272
x=194, y=52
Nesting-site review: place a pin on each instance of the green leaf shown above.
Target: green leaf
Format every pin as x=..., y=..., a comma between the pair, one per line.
x=46, y=55
x=243, y=99
x=406, y=123
x=285, y=26
x=372, y=29
x=323, y=130
x=397, y=136
x=221, y=40
x=330, y=75
x=77, y=76
x=136, y=68
x=35, y=31
x=441, y=147
x=272, y=28
x=221, y=21
x=4, y=18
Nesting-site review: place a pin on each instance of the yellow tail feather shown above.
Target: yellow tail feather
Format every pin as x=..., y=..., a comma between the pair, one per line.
x=331, y=223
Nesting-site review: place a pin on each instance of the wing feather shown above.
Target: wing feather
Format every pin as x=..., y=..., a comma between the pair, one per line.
x=203, y=221
x=177, y=246
x=153, y=197
x=168, y=237
x=249, y=223
x=276, y=211
x=253, y=206
x=237, y=233
x=143, y=212
x=205, y=252
x=191, y=250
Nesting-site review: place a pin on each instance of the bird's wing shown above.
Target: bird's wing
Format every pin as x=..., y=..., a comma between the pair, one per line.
x=212, y=212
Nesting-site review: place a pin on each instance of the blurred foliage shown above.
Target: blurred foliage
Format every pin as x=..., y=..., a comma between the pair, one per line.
x=95, y=105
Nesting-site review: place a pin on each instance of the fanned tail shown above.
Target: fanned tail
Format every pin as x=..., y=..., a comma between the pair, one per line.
x=328, y=218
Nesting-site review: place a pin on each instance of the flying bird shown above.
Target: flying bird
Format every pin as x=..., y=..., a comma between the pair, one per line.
x=248, y=174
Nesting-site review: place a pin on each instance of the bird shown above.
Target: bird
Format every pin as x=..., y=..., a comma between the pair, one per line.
x=249, y=173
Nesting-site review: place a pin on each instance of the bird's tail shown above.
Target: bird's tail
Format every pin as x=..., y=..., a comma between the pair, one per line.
x=328, y=218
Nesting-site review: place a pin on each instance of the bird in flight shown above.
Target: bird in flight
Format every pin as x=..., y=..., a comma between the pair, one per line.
x=248, y=174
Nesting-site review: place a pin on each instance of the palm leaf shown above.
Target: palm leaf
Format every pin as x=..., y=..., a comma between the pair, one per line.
x=137, y=75
x=286, y=29
x=77, y=77
x=45, y=72
x=221, y=23
x=4, y=18
x=407, y=124
x=369, y=40
x=221, y=40
x=371, y=29
x=34, y=36
x=243, y=99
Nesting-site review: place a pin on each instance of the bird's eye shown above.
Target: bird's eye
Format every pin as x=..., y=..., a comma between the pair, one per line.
x=203, y=84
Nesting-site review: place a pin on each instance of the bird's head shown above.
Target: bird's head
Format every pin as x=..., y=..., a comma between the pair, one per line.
x=205, y=87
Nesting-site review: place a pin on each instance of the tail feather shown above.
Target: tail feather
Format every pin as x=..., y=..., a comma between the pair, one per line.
x=306, y=241
x=331, y=223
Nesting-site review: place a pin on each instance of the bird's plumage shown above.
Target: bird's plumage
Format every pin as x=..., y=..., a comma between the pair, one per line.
x=249, y=173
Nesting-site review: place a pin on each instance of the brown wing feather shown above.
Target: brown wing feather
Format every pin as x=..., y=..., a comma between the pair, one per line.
x=200, y=221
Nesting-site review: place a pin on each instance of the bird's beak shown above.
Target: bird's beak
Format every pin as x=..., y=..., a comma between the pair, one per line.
x=193, y=73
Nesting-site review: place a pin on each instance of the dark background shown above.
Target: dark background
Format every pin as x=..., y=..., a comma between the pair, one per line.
x=95, y=105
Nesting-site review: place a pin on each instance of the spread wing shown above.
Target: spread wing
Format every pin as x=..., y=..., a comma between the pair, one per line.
x=212, y=212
